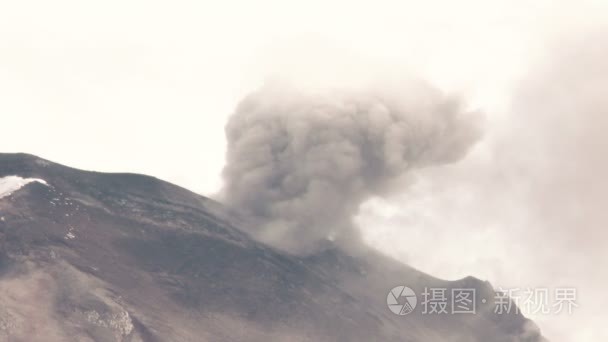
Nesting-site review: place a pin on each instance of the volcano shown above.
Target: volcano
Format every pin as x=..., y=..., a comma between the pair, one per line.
x=89, y=256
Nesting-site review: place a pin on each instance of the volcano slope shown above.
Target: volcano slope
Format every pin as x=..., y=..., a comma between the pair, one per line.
x=122, y=257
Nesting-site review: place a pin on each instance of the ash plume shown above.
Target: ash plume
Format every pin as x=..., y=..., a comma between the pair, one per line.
x=299, y=163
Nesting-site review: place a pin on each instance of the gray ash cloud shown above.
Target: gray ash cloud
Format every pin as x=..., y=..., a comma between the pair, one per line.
x=299, y=162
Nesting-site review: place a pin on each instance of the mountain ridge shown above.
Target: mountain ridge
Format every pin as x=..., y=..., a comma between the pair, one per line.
x=145, y=260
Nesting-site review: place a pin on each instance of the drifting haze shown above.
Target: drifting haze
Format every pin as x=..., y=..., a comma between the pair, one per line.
x=527, y=207
x=301, y=162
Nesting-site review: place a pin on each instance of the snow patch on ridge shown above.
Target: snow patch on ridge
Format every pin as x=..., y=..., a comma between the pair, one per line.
x=10, y=184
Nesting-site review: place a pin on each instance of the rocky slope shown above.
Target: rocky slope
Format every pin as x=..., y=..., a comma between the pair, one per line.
x=87, y=256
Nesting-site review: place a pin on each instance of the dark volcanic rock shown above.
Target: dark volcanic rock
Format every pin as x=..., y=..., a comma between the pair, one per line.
x=124, y=257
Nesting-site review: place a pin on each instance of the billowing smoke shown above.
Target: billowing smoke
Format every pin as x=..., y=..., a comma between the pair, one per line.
x=299, y=163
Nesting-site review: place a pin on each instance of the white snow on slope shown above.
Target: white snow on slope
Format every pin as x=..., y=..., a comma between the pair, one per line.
x=10, y=184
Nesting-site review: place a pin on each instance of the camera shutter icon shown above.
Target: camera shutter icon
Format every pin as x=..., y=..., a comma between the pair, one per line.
x=401, y=300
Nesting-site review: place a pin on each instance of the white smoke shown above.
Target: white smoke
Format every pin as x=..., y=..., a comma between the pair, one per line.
x=300, y=162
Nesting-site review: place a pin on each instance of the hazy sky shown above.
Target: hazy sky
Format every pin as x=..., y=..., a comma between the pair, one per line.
x=147, y=87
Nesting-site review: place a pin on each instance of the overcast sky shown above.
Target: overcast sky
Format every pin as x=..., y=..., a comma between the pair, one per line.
x=147, y=87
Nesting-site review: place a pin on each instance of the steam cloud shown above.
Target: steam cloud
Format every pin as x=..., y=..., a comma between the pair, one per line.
x=300, y=163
